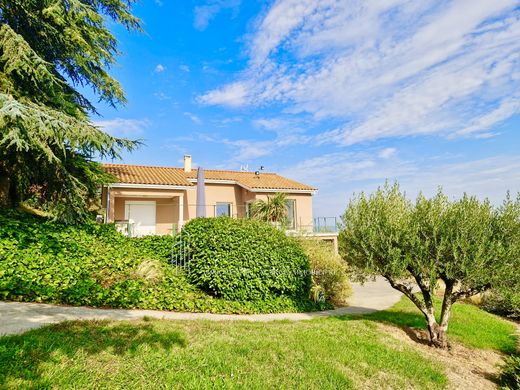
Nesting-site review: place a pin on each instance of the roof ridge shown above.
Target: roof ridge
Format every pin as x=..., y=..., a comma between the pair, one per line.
x=143, y=166
x=180, y=168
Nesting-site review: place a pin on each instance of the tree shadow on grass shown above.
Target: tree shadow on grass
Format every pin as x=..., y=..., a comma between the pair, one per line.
x=413, y=324
x=22, y=355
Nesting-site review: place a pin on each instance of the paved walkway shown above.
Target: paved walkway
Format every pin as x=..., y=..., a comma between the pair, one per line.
x=18, y=317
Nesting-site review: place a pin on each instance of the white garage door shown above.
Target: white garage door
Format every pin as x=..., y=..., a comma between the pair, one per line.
x=142, y=213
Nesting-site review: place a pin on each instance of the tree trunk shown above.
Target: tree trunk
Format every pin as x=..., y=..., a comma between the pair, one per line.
x=438, y=336
x=9, y=195
x=4, y=189
x=439, y=331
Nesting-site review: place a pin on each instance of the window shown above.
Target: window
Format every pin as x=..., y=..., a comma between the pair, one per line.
x=291, y=213
x=223, y=208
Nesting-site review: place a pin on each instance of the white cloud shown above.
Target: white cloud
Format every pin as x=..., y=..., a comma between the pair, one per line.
x=185, y=68
x=227, y=121
x=160, y=68
x=194, y=118
x=269, y=123
x=387, y=152
x=233, y=95
x=121, y=127
x=204, y=13
x=385, y=69
x=248, y=150
x=339, y=175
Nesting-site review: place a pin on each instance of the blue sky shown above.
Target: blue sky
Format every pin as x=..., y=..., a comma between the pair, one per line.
x=337, y=94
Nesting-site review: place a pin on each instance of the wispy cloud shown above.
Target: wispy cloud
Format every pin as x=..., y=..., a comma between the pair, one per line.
x=233, y=95
x=385, y=69
x=245, y=150
x=122, y=127
x=162, y=96
x=204, y=13
x=387, y=152
x=194, y=118
x=227, y=121
x=159, y=68
x=339, y=175
x=185, y=68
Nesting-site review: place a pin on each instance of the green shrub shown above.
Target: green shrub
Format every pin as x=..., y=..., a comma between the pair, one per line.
x=244, y=259
x=160, y=246
x=510, y=377
x=94, y=265
x=329, y=272
x=504, y=302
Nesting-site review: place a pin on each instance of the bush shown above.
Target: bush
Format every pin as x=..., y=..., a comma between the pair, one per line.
x=329, y=272
x=504, y=302
x=510, y=377
x=94, y=265
x=244, y=259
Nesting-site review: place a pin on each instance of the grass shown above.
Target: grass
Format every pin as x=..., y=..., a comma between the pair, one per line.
x=468, y=325
x=344, y=352
x=325, y=353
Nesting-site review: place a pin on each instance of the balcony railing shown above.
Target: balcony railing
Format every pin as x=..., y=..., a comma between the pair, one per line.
x=319, y=225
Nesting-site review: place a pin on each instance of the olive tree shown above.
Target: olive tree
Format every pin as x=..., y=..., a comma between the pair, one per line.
x=466, y=246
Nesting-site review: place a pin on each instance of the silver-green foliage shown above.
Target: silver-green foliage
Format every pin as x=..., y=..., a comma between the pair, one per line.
x=467, y=244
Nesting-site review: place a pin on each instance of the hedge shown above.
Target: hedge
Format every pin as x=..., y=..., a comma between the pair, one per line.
x=94, y=265
x=245, y=259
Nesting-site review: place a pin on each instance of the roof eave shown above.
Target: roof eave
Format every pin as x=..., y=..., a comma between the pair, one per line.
x=151, y=186
x=311, y=191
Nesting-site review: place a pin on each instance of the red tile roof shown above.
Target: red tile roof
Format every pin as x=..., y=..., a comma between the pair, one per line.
x=142, y=174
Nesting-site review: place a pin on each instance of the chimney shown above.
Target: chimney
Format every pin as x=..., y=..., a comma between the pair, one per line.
x=187, y=163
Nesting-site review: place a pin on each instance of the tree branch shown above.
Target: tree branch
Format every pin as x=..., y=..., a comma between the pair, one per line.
x=425, y=287
x=470, y=292
x=408, y=292
x=447, y=301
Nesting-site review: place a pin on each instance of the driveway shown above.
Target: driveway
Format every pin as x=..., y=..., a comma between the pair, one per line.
x=16, y=317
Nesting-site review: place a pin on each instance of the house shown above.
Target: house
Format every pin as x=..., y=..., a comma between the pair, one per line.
x=159, y=200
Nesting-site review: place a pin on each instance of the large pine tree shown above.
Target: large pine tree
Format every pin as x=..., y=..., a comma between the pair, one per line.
x=48, y=49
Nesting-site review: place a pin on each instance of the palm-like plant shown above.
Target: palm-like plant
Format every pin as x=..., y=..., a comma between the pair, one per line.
x=274, y=209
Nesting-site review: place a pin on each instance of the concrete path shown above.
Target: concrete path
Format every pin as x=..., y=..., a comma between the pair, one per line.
x=18, y=317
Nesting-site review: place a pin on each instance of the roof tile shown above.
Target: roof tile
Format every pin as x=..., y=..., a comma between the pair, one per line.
x=141, y=174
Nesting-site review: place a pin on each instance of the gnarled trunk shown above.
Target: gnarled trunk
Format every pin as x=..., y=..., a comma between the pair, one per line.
x=439, y=331
x=438, y=335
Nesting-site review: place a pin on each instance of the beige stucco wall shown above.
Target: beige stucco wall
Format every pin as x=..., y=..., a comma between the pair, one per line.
x=168, y=201
x=227, y=193
x=166, y=212
x=304, y=216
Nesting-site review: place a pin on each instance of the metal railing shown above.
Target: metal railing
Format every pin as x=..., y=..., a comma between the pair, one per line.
x=326, y=225
x=318, y=225
x=125, y=227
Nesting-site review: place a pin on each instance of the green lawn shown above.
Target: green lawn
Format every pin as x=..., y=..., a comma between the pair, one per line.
x=347, y=352
x=327, y=353
x=468, y=325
